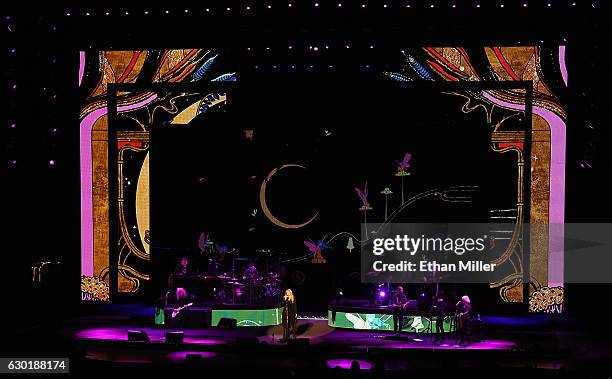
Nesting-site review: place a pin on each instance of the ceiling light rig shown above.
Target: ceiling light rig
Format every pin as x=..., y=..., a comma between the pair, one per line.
x=248, y=7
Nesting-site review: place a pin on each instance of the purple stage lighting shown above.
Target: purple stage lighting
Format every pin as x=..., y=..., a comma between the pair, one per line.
x=382, y=294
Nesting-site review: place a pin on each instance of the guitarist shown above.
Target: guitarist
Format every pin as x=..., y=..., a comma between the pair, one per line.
x=180, y=310
x=398, y=302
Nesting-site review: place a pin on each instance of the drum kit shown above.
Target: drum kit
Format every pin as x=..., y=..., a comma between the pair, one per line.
x=262, y=290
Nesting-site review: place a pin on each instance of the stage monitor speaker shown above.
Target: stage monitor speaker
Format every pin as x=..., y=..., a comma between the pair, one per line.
x=248, y=341
x=138, y=336
x=193, y=357
x=298, y=342
x=174, y=337
x=227, y=323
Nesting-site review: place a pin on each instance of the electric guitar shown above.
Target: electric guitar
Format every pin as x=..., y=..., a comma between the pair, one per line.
x=176, y=311
x=402, y=306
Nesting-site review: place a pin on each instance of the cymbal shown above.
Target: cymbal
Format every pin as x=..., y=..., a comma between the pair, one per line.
x=235, y=283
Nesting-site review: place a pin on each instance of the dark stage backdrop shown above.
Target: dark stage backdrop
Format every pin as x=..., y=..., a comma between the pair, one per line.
x=309, y=143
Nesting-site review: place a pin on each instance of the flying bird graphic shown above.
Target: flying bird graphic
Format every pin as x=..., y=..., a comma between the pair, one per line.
x=405, y=163
x=363, y=195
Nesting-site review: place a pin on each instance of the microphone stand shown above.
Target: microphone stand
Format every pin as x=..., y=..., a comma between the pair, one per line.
x=455, y=321
x=431, y=311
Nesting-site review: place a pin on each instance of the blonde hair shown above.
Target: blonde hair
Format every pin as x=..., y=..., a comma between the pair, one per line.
x=181, y=294
x=289, y=295
x=466, y=299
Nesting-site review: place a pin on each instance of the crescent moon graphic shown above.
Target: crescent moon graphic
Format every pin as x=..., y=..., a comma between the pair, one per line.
x=264, y=205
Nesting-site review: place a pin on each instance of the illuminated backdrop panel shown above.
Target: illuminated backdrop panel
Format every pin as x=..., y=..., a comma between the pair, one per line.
x=544, y=67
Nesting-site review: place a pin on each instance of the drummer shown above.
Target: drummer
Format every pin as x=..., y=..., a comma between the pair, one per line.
x=251, y=274
x=251, y=280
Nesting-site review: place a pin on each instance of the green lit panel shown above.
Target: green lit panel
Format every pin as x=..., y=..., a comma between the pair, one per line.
x=249, y=317
x=377, y=321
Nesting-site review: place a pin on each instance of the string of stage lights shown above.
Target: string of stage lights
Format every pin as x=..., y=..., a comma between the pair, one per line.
x=9, y=67
x=245, y=8
x=311, y=54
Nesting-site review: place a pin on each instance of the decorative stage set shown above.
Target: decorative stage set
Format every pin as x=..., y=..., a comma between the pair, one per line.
x=227, y=210
x=149, y=117
x=293, y=188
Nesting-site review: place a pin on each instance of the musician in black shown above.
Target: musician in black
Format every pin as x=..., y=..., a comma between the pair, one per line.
x=439, y=310
x=464, y=320
x=180, y=310
x=251, y=273
x=250, y=277
x=183, y=267
x=398, y=302
x=289, y=318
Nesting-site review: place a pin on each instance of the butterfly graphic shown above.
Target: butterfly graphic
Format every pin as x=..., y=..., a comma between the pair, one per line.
x=316, y=249
x=405, y=163
x=363, y=195
x=319, y=246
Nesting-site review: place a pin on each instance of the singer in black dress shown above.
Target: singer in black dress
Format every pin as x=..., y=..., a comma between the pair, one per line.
x=289, y=318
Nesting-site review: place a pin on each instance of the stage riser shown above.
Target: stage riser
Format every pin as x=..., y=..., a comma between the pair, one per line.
x=384, y=321
x=202, y=318
x=249, y=317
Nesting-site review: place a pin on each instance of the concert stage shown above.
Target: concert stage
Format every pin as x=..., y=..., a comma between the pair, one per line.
x=315, y=330
x=190, y=183
x=510, y=342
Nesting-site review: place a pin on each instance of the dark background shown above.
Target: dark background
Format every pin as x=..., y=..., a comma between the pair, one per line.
x=206, y=177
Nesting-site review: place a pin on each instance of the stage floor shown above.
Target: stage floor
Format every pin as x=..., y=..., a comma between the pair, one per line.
x=507, y=342
x=97, y=337
x=316, y=331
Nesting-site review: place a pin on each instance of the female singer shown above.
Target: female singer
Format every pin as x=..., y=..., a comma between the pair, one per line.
x=289, y=314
